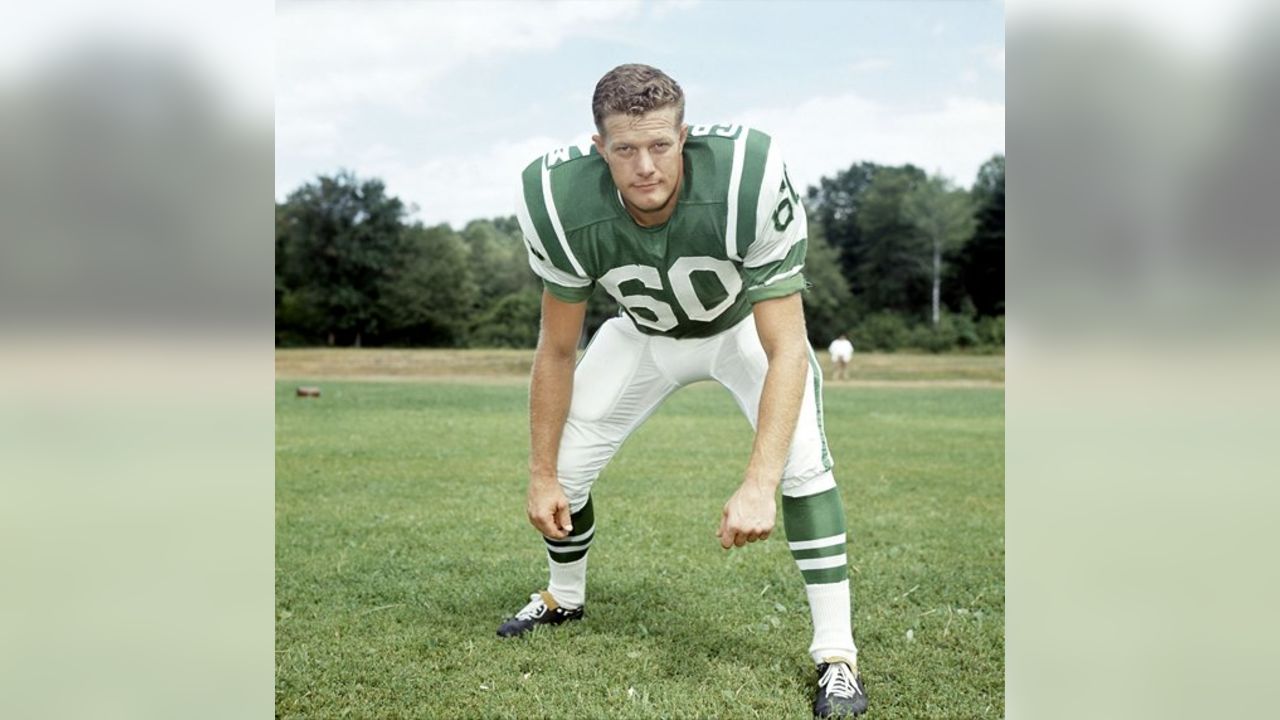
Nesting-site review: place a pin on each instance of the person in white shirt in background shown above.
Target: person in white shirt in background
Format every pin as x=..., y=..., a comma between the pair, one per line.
x=841, y=350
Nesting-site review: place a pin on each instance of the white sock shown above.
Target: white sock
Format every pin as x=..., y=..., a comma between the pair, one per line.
x=568, y=583
x=832, y=630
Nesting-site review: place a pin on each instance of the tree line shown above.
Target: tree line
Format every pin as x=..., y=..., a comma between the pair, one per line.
x=896, y=259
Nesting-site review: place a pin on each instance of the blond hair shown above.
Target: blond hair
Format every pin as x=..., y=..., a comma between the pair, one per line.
x=635, y=89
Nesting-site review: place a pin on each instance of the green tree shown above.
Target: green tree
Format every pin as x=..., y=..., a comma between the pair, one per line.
x=944, y=217
x=339, y=242
x=834, y=204
x=512, y=321
x=981, y=261
x=828, y=304
x=892, y=272
x=497, y=257
x=431, y=298
x=506, y=287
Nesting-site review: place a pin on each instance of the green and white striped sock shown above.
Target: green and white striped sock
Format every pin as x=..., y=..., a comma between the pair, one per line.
x=816, y=536
x=567, y=560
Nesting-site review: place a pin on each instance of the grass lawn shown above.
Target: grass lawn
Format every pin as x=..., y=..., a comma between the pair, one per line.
x=401, y=544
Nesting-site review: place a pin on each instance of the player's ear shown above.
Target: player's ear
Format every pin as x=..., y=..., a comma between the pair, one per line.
x=684, y=133
x=599, y=143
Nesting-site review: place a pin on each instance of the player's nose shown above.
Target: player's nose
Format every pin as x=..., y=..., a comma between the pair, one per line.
x=644, y=163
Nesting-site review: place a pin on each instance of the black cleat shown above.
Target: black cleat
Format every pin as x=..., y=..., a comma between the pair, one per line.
x=541, y=610
x=840, y=692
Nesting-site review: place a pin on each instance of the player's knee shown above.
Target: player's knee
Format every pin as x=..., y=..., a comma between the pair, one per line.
x=577, y=491
x=808, y=484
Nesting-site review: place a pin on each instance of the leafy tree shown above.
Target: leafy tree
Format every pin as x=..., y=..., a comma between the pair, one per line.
x=511, y=321
x=342, y=243
x=892, y=272
x=497, y=258
x=828, y=302
x=981, y=262
x=430, y=300
x=834, y=204
x=505, y=284
x=944, y=217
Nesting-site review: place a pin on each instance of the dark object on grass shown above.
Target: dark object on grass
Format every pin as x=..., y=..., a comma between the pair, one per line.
x=308, y=391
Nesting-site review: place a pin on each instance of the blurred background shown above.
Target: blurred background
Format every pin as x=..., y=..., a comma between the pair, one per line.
x=136, y=449
x=1142, y=275
x=139, y=311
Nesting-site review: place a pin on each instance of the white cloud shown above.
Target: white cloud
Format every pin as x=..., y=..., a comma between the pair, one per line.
x=462, y=187
x=332, y=56
x=827, y=134
x=343, y=66
x=306, y=138
x=820, y=137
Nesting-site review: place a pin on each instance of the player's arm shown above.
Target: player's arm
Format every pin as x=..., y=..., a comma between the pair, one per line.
x=751, y=511
x=772, y=268
x=550, y=392
x=780, y=325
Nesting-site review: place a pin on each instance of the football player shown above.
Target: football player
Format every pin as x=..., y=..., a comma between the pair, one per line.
x=700, y=237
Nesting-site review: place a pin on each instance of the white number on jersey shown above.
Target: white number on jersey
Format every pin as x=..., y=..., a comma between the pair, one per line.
x=681, y=276
x=728, y=131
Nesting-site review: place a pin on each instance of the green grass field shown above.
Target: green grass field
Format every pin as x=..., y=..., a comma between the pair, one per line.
x=401, y=544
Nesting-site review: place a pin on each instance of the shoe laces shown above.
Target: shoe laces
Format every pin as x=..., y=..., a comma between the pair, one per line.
x=534, y=609
x=839, y=681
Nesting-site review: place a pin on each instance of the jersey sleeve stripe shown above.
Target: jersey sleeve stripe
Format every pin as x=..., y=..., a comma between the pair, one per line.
x=543, y=230
x=771, y=189
x=735, y=182
x=531, y=235
x=754, y=156
x=539, y=259
x=555, y=220
x=777, y=278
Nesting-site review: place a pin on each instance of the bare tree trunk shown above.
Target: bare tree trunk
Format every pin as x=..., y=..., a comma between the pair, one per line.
x=937, y=277
x=330, y=338
x=358, y=338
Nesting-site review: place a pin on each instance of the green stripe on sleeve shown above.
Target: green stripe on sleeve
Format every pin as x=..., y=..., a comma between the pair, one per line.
x=536, y=203
x=569, y=294
x=781, y=288
x=772, y=280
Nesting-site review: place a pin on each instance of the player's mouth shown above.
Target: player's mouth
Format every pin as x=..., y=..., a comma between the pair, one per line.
x=647, y=186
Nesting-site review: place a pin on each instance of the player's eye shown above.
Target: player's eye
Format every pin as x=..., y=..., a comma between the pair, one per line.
x=661, y=147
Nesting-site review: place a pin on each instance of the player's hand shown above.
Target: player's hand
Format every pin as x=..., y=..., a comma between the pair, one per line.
x=748, y=516
x=548, y=509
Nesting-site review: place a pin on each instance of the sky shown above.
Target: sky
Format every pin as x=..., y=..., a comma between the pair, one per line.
x=446, y=102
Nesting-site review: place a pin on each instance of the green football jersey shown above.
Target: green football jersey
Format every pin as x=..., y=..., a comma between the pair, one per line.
x=738, y=234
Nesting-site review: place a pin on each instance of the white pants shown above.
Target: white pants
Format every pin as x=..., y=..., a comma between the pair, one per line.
x=625, y=375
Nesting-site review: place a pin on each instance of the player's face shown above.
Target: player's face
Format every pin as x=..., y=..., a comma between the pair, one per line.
x=644, y=157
